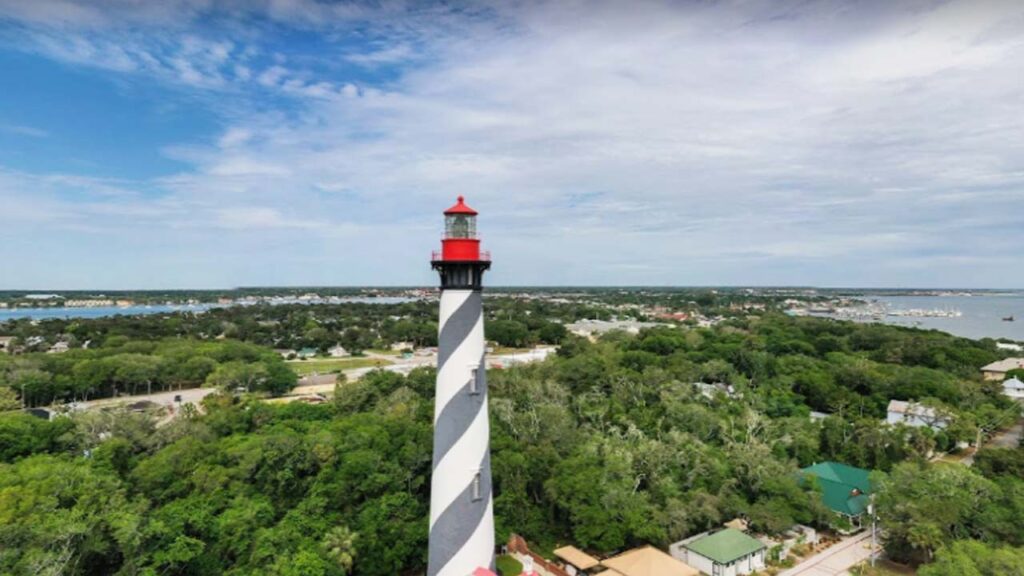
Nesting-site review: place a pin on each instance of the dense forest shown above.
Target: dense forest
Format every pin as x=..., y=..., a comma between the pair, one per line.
x=136, y=367
x=607, y=445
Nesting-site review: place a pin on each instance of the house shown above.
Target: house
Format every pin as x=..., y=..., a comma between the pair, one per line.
x=285, y=353
x=646, y=561
x=711, y=390
x=401, y=346
x=576, y=561
x=1009, y=346
x=844, y=489
x=728, y=552
x=915, y=415
x=1014, y=388
x=58, y=348
x=6, y=344
x=306, y=353
x=997, y=370
x=338, y=351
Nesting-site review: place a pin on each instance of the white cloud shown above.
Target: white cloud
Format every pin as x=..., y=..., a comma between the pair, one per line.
x=656, y=143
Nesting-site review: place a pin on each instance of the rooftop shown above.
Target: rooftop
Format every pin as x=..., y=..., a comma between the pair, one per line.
x=647, y=561
x=577, y=557
x=1013, y=384
x=1004, y=365
x=844, y=488
x=725, y=546
x=913, y=408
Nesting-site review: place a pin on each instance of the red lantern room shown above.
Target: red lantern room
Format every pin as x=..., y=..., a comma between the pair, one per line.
x=460, y=242
x=460, y=260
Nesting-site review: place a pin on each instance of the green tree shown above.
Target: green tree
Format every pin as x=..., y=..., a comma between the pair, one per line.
x=238, y=375
x=972, y=558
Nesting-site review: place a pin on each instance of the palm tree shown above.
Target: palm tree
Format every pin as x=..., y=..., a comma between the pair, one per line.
x=339, y=542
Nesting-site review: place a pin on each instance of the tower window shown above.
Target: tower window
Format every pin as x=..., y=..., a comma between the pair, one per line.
x=477, y=488
x=474, y=381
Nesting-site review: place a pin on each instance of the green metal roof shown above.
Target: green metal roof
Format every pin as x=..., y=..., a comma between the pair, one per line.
x=725, y=546
x=844, y=489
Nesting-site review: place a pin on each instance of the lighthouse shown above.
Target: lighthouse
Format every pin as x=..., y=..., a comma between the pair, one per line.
x=461, y=507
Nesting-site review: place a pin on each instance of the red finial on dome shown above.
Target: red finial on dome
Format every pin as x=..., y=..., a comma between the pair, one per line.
x=461, y=208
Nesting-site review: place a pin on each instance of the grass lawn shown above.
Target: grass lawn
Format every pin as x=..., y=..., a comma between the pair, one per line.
x=330, y=365
x=509, y=566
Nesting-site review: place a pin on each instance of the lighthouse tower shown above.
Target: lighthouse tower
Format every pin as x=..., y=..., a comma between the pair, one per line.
x=461, y=508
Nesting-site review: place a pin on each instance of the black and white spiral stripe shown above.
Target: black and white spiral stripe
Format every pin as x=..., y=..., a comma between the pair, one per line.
x=461, y=508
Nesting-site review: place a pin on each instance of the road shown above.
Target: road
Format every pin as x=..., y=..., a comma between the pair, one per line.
x=190, y=395
x=837, y=559
x=1009, y=438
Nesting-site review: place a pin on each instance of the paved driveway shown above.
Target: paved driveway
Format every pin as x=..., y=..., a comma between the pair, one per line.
x=836, y=560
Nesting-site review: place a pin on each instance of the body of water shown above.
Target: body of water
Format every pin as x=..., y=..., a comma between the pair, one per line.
x=103, y=311
x=97, y=312
x=981, y=316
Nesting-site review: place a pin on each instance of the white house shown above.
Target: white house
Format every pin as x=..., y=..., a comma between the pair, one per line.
x=58, y=348
x=728, y=552
x=1009, y=346
x=338, y=351
x=915, y=415
x=1014, y=388
x=6, y=343
x=711, y=390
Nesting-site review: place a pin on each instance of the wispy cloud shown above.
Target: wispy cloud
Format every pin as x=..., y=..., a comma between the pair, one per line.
x=24, y=130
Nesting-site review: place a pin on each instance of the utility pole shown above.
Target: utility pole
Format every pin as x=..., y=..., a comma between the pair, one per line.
x=871, y=511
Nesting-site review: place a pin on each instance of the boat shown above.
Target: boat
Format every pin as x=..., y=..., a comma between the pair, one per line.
x=1008, y=319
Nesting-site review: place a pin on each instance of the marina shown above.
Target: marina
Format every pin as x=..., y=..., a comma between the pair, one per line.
x=970, y=315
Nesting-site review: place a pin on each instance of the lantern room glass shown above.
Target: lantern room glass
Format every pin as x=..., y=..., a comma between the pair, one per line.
x=460, y=226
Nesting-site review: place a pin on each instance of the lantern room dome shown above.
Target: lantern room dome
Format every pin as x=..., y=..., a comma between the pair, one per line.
x=461, y=208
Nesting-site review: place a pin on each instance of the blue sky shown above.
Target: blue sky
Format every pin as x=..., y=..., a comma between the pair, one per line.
x=205, y=143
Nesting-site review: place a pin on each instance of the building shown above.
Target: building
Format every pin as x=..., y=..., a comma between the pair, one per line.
x=89, y=303
x=1009, y=346
x=593, y=328
x=728, y=552
x=537, y=354
x=646, y=561
x=58, y=348
x=915, y=415
x=338, y=351
x=461, y=536
x=1014, y=388
x=710, y=391
x=844, y=489
x=997, y=370
x=576, y=561
x=7, y=344
x=306, y=353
